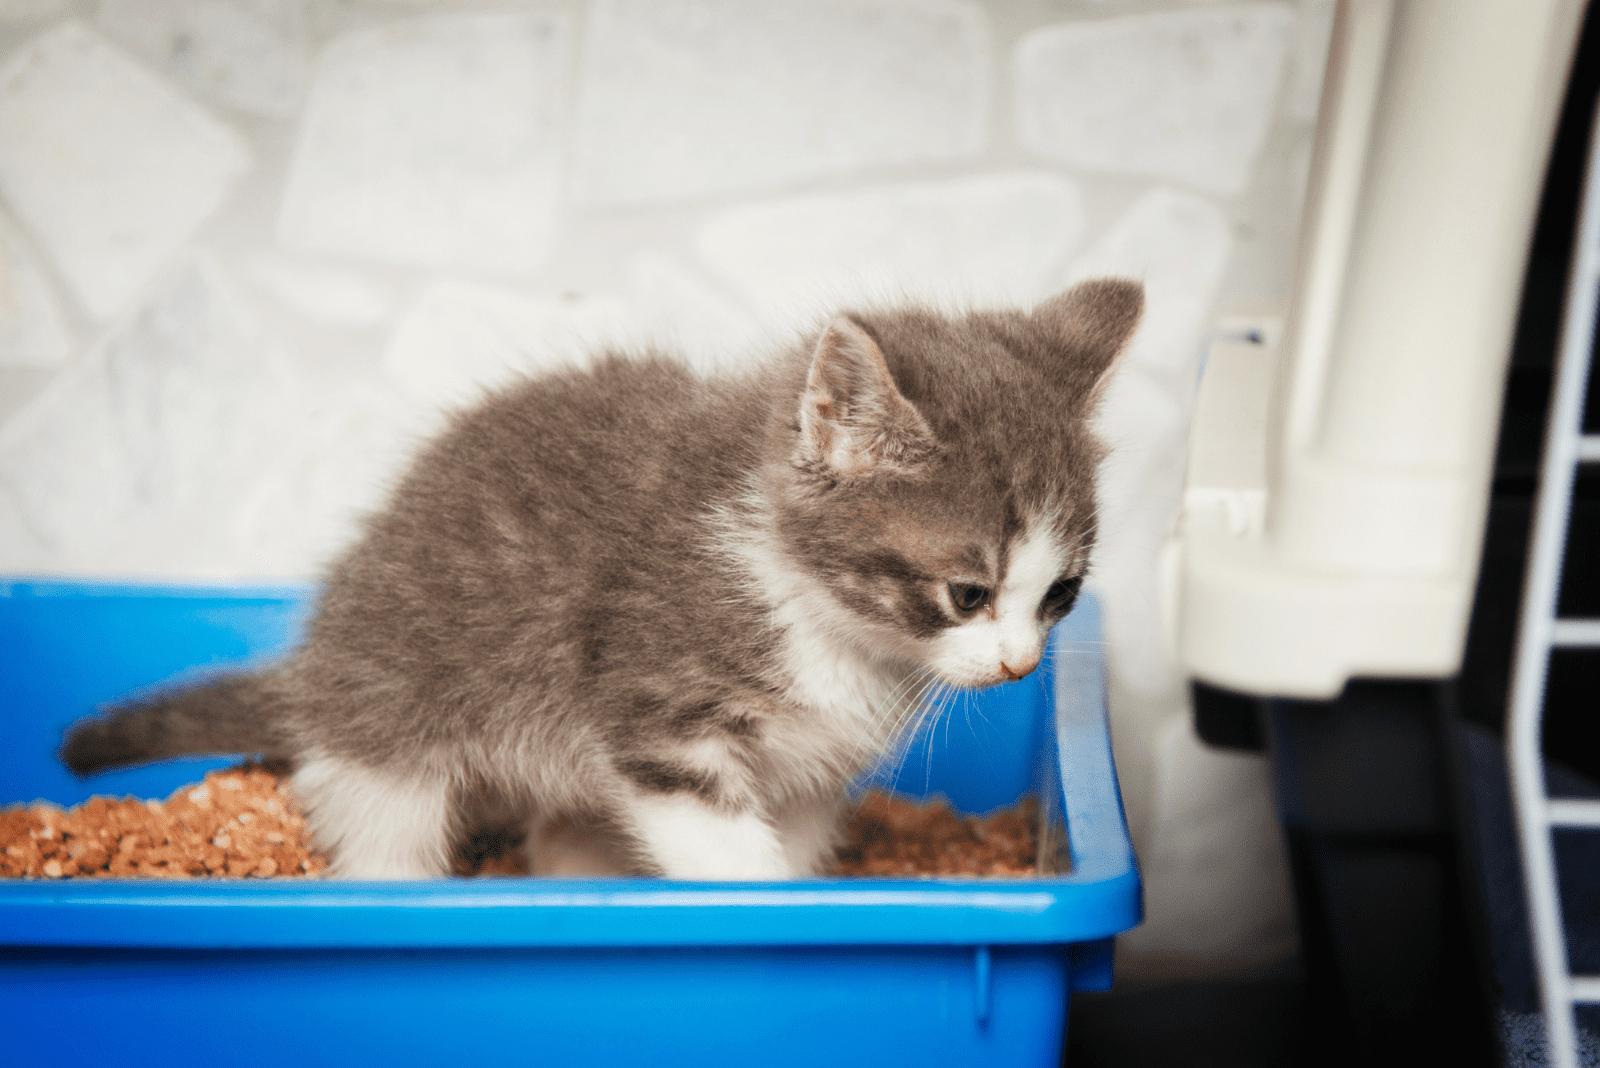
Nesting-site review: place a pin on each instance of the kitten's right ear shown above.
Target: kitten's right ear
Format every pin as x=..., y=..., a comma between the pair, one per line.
x=1087, y=328
x=853, y=419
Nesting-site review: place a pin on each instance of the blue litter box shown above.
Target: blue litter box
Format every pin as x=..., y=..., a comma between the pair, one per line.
x=524, y=971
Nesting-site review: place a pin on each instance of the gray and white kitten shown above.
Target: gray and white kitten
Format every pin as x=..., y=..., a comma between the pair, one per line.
x=664, y=620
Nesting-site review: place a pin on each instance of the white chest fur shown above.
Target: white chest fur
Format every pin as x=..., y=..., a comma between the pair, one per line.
x=844, y=687
x=845, y=699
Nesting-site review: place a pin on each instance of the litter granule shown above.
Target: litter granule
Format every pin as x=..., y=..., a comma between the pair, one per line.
x=242, y=822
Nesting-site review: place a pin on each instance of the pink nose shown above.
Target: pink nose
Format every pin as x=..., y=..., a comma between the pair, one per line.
x=1022, y=668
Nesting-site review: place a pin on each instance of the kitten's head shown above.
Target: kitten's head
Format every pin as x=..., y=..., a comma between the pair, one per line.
x=939, y=476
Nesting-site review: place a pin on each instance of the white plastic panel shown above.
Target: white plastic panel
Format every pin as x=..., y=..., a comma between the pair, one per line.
x=1384, y=395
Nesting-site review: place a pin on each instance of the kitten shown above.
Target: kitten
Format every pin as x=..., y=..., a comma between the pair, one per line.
x=666, y=620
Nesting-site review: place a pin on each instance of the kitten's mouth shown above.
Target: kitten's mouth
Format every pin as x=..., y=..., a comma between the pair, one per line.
x=981, y=682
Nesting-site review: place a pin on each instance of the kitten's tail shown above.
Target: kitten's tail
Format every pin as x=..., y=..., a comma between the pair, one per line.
x=229, y=714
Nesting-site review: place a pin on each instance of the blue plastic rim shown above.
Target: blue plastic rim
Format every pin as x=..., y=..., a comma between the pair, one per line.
x=1001, y=949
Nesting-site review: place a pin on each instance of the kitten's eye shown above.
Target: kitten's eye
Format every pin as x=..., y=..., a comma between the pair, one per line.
x=1059, y=597
x=968, y=598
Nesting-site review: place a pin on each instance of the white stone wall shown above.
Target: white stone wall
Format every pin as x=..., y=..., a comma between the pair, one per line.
x=250, y=249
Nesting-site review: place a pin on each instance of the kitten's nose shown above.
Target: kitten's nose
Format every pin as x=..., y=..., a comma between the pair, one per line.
x=1022, y=668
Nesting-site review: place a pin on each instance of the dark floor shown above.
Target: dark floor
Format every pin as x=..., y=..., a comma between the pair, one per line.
x=1241, y=1023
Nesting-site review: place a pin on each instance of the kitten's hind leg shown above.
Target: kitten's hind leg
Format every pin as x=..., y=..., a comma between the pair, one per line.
x=376, y=824
x=686, y=838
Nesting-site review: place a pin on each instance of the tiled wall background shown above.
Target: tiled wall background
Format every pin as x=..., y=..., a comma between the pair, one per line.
x=250, y=249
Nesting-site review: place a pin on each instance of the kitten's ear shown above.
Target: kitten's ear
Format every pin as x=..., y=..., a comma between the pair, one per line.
x=1087, y=328
x=853, y=420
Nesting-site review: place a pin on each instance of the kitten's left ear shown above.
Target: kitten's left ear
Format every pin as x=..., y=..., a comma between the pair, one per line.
x=853, y=419
x=1087, y=328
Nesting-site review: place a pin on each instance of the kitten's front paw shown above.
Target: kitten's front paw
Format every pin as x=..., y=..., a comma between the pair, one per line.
x=688, y=839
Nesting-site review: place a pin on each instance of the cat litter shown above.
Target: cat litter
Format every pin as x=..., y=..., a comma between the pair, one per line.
x=242, y=822
x=892, y=836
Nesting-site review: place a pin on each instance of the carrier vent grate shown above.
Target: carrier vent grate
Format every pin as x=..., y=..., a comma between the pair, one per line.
x=1540, y=631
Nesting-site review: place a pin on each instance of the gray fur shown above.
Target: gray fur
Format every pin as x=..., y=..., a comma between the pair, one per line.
x=552, y=613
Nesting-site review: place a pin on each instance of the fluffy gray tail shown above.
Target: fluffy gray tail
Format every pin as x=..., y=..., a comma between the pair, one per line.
x=229, y=714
